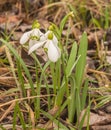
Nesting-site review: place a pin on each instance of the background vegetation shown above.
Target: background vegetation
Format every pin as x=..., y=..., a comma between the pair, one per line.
x=71, y=94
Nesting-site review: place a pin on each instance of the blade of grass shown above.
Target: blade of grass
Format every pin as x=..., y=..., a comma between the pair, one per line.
x=38, y=89
x=21, y=117
x=46, y=85
x=106, y=18
x=14, y=52
x=64, y=20
x=12, y=67
x=20, y=78
x=84, y=95
x=22, y=63
x=71, y=60
x=52, y=68
x=80, y=66
x=72, y=101
x=78, y=102
x=14, y=117
x=70, y=66
x=85, y=116
x=2, y=128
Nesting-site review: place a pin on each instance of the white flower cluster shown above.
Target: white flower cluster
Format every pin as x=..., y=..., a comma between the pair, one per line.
x=37, y=39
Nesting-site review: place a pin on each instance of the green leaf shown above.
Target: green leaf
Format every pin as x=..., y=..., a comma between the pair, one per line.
x=107, y=18
x=96, y=22
x=71, y=64
x=52, y=118
x=84, y=95
x=2, y=128
x=85, y=116
x=22, y=120
x=80, y=66
x=64, y=20
x=72, y=101
x=21, y=62
x=71, y=61
x=56, y=30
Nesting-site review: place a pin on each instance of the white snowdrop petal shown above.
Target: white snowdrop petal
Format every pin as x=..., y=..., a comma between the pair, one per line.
x=47, y=44
x=55, y=41
x=53, y=52
x=32, y=42
x=25, y=37
x=36, y=46
x=43, y=38
x=37, y=32
x=47, y=33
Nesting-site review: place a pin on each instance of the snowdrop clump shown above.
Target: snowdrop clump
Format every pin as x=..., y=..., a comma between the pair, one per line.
x=36, y=39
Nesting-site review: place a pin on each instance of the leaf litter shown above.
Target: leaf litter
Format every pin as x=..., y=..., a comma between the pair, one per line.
x=16, y=22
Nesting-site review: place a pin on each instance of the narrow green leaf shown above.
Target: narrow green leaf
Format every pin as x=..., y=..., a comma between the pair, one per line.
x=57, y=122
x=22, y=63
x=2, y=128
x=21, y=117
x=106, y=18
x=80, y=66
x=14, y=117
x=72, y=101
x=71, y=61
x=85, y=116
x=56, y=30
x=78, y=103
x=20, y=78
x=96, y=22
x=84, y=95
x=64, y=20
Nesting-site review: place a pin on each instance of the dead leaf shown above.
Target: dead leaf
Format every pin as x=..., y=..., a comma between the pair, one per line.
x=6, y=112
x=10, y=20
x=103, y=127
x=31, y=114
x=5, y=1
x=95, y=119
x=108, y=59
x=53, y=111
x=2, y=50
x=8, y=81
x=25, y=27
x=4, y=70
x=10, y=127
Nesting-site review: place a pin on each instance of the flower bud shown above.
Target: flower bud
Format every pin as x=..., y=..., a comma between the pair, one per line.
x=35, y=24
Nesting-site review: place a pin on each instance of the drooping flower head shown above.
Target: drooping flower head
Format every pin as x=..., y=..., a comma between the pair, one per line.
x=37, y=39
x=32, y=36
x=50, y=44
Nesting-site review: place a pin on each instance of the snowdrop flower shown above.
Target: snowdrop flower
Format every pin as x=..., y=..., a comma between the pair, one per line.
x=32, y=36
x=50, y=44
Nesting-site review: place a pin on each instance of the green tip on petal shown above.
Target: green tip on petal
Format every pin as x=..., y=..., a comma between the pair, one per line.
x=50, y=36
x=34, y=38
x=46, y=49
x=35, y=24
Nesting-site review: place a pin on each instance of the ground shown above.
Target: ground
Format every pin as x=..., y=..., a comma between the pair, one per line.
x=92, y=17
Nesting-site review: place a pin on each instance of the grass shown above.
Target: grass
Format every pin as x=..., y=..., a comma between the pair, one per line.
x=60, y=87
x=63, y=82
